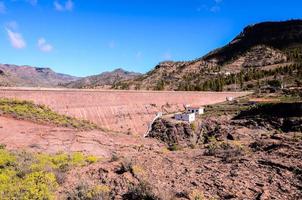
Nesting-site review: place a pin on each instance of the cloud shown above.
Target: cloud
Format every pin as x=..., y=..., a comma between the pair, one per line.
x=215, y=9
x=16, y=39
x=67, y=6
x=2, y=8
x=44, y=46
x=32, y=2
x=167, y=56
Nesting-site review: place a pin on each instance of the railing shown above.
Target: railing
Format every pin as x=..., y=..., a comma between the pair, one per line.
x=158, y=115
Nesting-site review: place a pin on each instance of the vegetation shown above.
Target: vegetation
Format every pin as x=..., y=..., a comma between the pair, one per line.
x=227, y=151
x=227, y=107
x=196, y=82
x=269, y=110
x=85, y=191
x=160, y=85
x=175, y=147
x=27, y=110
x=142, y=191
x=30, y=176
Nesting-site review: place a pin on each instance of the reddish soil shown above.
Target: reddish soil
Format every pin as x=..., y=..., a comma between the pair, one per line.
x=122, y=111
x=16, y=134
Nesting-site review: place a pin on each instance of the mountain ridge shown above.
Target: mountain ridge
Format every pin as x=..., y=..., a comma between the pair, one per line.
x=103, y=80
x=262, y=46
x=28, y=76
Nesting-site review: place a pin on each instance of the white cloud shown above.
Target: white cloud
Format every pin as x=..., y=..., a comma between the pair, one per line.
x=167, y=56
x=32, y=2
x=2, y=8
x=215, y=9
x=67, y=6
x=16, y=39
x=44, y=46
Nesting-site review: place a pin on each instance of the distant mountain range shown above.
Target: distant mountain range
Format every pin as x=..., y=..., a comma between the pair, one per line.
x=263, y=46
x=27, y=76
x=103, y=80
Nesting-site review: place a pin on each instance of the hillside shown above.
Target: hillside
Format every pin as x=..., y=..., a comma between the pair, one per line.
x=27, y=76
x=260, y=47
x=105, y=79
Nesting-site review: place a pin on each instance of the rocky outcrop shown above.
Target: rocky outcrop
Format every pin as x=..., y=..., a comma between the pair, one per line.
x=173, y=133
x=284, y=116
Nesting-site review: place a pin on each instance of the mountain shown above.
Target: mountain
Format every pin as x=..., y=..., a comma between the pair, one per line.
x=103, y=80
x=263, y=46
x=27, y=76
x=278, y=35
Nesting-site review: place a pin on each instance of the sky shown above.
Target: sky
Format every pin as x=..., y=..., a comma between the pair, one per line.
x=86, y=37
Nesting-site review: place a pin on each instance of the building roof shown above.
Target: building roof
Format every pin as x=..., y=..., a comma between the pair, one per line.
x=195, y=107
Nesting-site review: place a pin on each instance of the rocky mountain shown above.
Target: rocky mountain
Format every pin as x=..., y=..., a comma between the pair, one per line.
x=27, y=76
x=263, y=46
x=278, y=35
x=103, y=80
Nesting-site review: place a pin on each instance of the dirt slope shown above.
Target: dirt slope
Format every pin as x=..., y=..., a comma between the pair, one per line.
x=18, y=134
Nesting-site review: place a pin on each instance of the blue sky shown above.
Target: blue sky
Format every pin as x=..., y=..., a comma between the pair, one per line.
x=85, y=37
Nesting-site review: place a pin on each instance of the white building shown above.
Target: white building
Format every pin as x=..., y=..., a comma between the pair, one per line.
x=230, y=98
x=188, y=117
x=196, y=110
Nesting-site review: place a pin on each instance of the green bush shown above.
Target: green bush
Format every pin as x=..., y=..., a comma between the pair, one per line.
x=30, y=176
x=175, y=147
x=85, y=191
x=142, y=191
x=39, y=113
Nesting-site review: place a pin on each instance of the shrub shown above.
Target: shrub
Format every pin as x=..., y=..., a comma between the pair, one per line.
x=126, y=166
x=142, y=191
x=197, y=195
x=6, y=158
x=39, y=185
x=36, y=176
x=91, y=159
x=39, y=113
x=2, y=146
x=137, y=170
x=175, y=147
x=84, y=191
x=114, y=158
x=227, y=151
